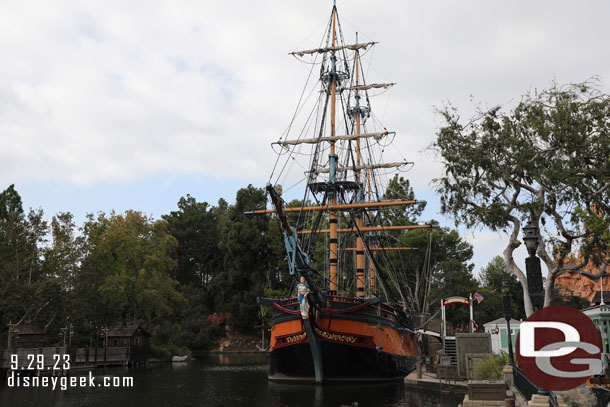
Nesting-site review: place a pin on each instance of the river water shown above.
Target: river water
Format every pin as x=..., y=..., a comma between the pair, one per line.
x=216, y=380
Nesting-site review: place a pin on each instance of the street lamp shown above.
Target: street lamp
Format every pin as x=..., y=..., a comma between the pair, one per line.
x=532, y=266
x=507, y=315
x=530, y=238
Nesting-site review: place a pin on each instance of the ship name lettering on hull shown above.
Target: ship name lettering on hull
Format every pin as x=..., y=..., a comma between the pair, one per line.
x=337, y=337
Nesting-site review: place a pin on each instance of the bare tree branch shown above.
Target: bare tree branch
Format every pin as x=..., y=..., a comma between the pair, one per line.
x=50, y=322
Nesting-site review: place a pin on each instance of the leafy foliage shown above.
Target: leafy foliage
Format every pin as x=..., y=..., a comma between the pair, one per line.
x=564, y=296
x=545, y=161
x=454, y=279
x=172, y=275
x=437, y=266
x=492, y=367
x=134, y=253
x=400, y=188
x=249, y=260
x=25, y=295
x=491, y=288
x=196, y=230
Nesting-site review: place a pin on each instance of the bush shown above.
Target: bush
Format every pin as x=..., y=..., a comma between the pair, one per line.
x=166, y=351
x=491, y=368
x=159, y=352
x=245, y=313
x=207, y=336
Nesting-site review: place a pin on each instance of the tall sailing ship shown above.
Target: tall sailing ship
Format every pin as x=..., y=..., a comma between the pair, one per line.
x=341, y=327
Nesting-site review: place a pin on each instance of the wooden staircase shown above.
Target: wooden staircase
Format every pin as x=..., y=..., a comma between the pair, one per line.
x=450, y=349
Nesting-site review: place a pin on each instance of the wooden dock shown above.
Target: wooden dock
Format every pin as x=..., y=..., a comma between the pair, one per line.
x=429, y=381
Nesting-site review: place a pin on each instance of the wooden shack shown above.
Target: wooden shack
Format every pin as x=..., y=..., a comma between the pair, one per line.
x=22, y=336
x=135, y=338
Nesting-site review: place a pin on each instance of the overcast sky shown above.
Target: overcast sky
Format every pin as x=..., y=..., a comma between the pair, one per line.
x=133, y=104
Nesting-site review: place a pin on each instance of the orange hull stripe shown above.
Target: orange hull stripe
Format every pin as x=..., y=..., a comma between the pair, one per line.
x=285, y=328
x=390, y=339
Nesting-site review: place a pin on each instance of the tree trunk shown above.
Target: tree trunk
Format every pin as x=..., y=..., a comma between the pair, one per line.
x=527, y=302
x=548, y=290
x=512, y=267
x=135, y=313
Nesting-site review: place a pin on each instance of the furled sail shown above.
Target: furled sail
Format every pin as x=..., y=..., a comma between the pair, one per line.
x=352, y=47
x=376, y=136
x=365, y=167
x=371, y=86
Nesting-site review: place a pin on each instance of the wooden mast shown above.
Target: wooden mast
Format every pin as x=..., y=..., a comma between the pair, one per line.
x=333, y=198
x=360, y=205
x=359, y=219
x=366, y=229
x=371, y=263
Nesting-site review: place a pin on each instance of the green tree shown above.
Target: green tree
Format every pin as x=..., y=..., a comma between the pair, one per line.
x=133, y=252
x=60, y=268
x=24, y=294
x=63, y=257
x=490, y=279
x=546, y=161
x=248, y=259
x=399, y=188
x=20, y=237
x=420, y=272
x=453, y=278
x=413, y=273
x=195, y=227
x=198, y=229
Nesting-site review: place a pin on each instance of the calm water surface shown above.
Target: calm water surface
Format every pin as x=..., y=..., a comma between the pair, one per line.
x=218, y=380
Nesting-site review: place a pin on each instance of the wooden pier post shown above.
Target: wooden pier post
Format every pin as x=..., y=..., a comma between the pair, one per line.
x=105, y=345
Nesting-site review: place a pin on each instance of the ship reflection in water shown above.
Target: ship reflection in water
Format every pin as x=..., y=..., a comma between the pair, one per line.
x=220, y=380
x=382, y=395
x=297, y=394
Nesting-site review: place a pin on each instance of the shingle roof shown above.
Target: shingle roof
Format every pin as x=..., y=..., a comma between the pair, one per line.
x=501, y=321
x=28, y=330
x=124, y=331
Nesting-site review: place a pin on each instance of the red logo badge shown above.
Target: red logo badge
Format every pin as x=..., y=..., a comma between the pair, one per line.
x=559, y=348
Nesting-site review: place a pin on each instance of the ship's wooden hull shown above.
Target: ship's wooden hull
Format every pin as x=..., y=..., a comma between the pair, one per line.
x=357, y=342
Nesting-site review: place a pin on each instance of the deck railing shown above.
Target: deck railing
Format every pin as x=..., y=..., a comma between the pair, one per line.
x=528, y=389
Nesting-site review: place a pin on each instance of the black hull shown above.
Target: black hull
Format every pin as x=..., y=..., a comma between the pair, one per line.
x=341, y=363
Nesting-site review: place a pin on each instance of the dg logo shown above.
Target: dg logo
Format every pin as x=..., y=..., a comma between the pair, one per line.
x=559, y=348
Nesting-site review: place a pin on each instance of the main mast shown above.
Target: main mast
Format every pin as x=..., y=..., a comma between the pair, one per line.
x=360, y=282
x=332, y=261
